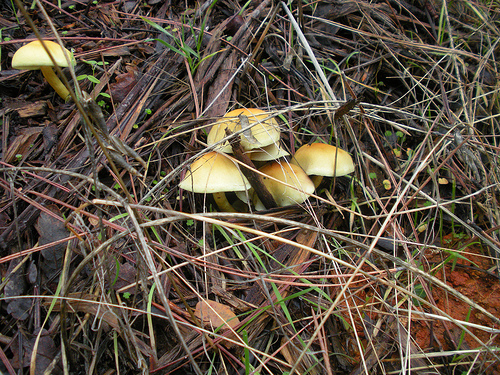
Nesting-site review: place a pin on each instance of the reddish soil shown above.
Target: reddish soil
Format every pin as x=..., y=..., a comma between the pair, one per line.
x=470, y=277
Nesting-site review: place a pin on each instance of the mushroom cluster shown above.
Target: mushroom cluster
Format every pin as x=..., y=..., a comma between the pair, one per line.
x=259, y=136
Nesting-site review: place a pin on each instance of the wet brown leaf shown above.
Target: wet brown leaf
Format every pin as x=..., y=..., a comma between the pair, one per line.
x=51, y=230
x=49, y=137
x=127, y=275
x=46, y=352
x=124, y=83
x=16, y=286
x=214, y=315
x=19, y=308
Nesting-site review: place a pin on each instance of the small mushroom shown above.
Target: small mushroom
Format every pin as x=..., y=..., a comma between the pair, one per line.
x=300, y=189
x=259, y=130
x=215, y=173
x=320, y=160
x=33, y=56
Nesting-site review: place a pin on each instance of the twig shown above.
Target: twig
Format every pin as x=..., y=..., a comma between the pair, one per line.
x=253, y=177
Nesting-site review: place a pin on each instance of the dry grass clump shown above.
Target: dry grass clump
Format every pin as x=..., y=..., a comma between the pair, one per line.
x=108, y=266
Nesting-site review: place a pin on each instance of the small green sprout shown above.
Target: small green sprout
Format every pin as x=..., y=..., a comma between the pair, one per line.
x=89, y=77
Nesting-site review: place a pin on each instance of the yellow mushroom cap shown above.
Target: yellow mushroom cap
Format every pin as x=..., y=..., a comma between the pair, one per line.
x=214, y=173
x=320, y=159
x=32, y=56
x=263, y=130
x=271, y=152
x=290, y=174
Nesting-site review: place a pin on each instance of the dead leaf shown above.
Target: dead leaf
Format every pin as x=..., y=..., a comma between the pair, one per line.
x=16, y=286
x=19, y=308
x=46, y=352
x=124, y=83
x=50, y=230
x=49, y=137
x=32, y=273
x=247, y=130
x=127, y=275
x=215, y=315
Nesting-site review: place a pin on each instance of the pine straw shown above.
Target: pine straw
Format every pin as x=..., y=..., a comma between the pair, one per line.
x=340, y=284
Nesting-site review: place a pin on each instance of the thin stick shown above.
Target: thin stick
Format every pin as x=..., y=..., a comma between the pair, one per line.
x=254, y=178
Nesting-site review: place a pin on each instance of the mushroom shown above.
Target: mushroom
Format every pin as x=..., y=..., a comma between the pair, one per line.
x=320, y=160
x=33, y=56
x=284, y=195
x=271, y=152
x=262, y=131
x=215, y=173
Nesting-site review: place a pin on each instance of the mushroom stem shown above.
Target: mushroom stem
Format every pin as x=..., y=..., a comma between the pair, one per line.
x=316, y=180
x=55, y=82
x=222, y=202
